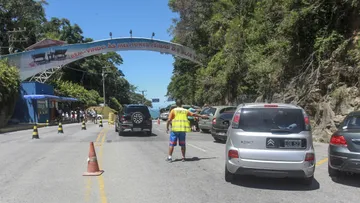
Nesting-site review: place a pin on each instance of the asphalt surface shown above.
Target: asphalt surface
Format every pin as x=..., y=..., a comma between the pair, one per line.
x=50, y=170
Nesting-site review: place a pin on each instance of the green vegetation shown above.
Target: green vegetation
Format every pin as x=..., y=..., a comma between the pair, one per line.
x=260, y=48
x=114, y=103
x=81, y=79
x=9, y=88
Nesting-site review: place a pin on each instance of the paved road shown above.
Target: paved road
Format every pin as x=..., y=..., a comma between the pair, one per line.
x=50, y=170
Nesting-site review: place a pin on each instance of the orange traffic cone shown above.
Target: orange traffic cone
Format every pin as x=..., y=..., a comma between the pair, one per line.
x=93, y=166
x=158, y=121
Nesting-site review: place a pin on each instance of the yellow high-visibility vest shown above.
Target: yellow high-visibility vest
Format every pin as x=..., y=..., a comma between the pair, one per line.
x=180, y=123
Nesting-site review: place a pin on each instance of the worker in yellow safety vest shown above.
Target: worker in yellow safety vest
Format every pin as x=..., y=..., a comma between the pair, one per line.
x=180, y=125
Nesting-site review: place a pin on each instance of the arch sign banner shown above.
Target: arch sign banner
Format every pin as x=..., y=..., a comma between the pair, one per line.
x=36, y=61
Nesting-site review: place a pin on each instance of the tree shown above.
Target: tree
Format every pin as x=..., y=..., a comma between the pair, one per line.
x=261, y=47
x=17, y=14
x=114, y=104
x=88, y=71
x=66, y=88
x=9, y=89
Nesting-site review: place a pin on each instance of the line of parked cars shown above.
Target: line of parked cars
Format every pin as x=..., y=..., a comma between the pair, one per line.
x=265, y=139
x=276, y=140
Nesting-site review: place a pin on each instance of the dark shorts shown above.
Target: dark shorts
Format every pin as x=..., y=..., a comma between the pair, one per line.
x=175, y=136
x=192, y=122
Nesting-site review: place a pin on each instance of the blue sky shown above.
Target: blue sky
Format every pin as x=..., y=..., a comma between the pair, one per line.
x=147, y=70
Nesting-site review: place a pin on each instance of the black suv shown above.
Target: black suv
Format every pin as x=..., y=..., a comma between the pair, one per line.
x=136, y=118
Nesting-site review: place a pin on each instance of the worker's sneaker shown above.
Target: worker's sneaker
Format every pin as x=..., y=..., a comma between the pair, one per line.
x=183, y=160
x=169, y=159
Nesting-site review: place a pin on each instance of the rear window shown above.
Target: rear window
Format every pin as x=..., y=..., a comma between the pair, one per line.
x=227, y=115
x=271, y=119
x=208, y=111
x=143, y=109
x=351, y=122
x=232, y=108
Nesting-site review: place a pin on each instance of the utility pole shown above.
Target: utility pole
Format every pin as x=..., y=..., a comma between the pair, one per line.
x=142, y=92
x=103, y=79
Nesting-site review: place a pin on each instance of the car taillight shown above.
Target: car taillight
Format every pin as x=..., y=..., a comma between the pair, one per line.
x=233, y=154
x=270, y=106
x=338, y=140
x=122, y=118
x=214, y=121
x=307, y=121
x=236, y=120
x=309, y=157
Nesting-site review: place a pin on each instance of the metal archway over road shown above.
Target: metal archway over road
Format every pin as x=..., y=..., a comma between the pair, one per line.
x=37, y=61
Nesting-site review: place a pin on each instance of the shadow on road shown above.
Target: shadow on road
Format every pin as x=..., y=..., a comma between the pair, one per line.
x=138, y=134
x=220, y=142
x=349, y=180
x=274, y=183
x=194, y=159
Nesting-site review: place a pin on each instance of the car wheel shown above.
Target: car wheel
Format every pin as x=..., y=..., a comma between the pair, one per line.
x=204, y=131
x=308, y=181
x=333, y=172
x=217, y=140
x=137, y=118
x=229, y=176
x=120, y=132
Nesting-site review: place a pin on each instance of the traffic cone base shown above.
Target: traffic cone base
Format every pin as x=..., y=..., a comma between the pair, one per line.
x=93, y=173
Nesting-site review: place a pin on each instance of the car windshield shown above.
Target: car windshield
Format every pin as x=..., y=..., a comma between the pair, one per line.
x=351, y=122
x=272, y=119
x=144, y=110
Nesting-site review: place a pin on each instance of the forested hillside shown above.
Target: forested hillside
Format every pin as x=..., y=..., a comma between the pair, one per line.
x=302, y=51
x=81, y=79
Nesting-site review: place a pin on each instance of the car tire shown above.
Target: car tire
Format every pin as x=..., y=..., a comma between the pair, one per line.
x=137, y=118
x=217, y=140
x=120, y=132
x=333, y=172
x=229, y=177
x=204, y=131
x=308, y=181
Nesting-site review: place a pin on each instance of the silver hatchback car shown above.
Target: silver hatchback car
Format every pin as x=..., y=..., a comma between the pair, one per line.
x=270, y=140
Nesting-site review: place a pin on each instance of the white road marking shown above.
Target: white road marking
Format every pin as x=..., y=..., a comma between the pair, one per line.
x=197, y=147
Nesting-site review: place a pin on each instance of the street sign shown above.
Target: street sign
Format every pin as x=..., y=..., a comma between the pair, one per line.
x=155, y=100
x=170, y=99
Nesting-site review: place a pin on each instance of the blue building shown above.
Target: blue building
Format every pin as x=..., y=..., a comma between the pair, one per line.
x=37, y=103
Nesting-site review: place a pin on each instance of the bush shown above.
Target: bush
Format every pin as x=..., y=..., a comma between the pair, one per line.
x=9, y=91
x=69, y=89
x=115, y=104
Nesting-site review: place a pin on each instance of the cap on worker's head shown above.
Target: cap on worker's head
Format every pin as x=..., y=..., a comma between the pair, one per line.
x=178, y=102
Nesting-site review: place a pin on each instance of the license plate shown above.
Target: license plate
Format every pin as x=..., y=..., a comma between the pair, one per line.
x=136, y=129
x=221, y=133
x=292, y=144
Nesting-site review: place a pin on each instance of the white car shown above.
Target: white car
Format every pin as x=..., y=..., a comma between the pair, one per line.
x=164, y=116
x=99, y=116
